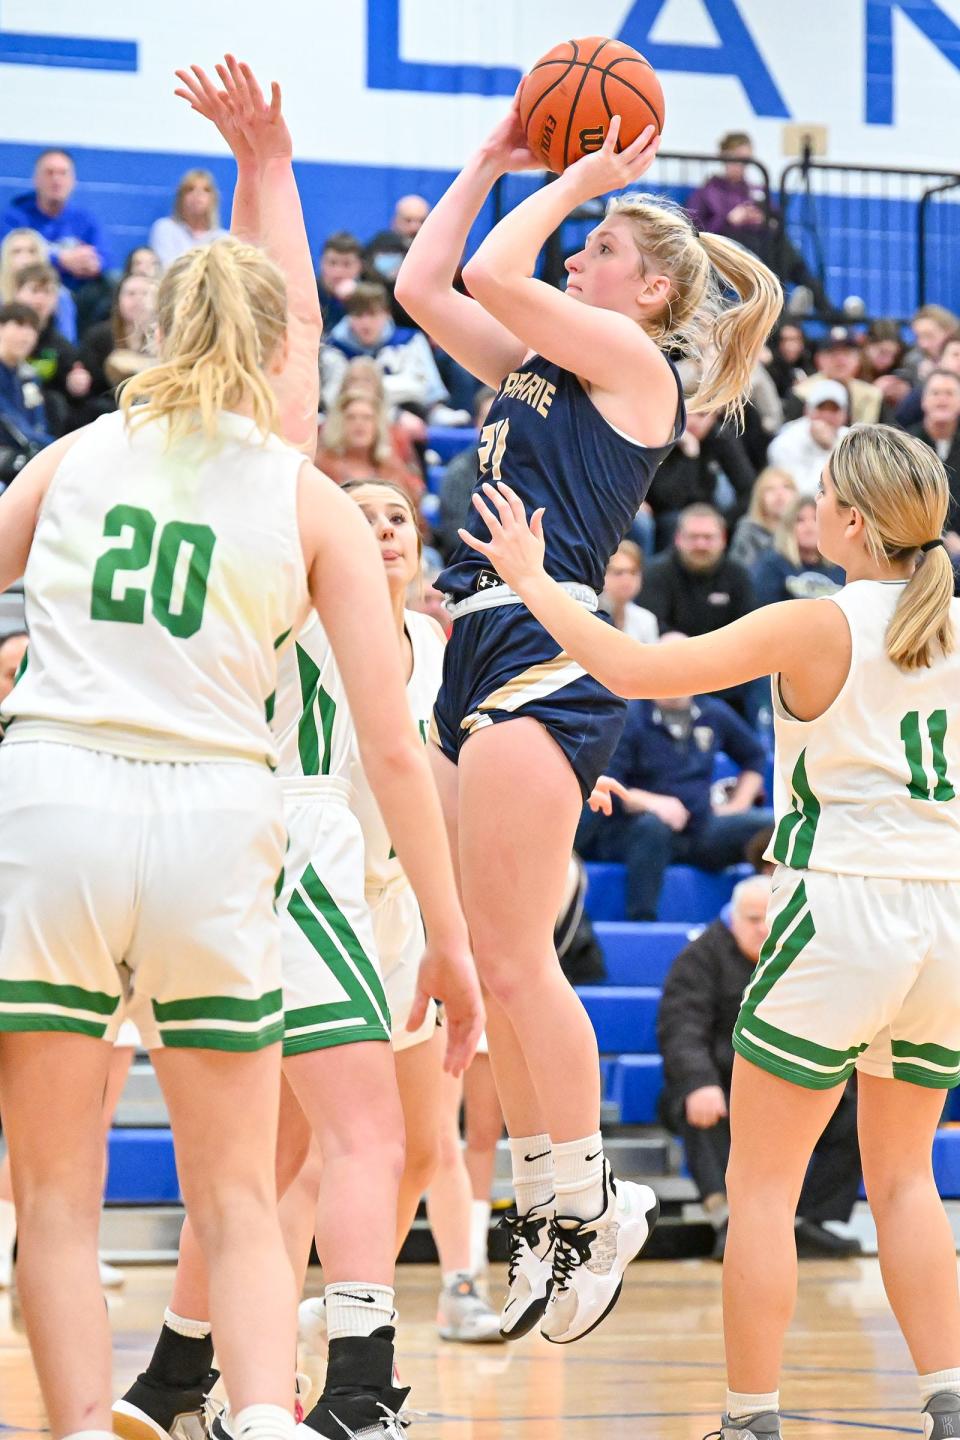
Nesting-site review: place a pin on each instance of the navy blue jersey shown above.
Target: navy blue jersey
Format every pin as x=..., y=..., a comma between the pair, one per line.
x=545, y=437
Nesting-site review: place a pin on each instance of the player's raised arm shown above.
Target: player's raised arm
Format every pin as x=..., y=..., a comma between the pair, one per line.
x=267, y=212
x=774, y=638
x=425, y=285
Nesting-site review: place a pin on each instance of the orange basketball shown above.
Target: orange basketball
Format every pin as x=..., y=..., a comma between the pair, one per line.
x=570, y=96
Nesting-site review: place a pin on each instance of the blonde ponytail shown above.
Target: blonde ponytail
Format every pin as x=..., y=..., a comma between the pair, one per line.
x=222, y=314
x=900, y=487
x=723, y=339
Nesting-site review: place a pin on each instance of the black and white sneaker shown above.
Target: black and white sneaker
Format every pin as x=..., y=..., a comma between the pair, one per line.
x=529, y=1271
x=941, y=1417
x=590, y=1257
x=359, y=1402
x=151, y=1410
x=765, y=1426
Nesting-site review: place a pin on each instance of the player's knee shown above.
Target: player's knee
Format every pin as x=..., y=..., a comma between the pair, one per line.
x=483, y=1131
x=58, y=1204
x=422, y=1159
x=505, y=975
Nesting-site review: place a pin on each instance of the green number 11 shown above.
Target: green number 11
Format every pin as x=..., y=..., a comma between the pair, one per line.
x=913, y=745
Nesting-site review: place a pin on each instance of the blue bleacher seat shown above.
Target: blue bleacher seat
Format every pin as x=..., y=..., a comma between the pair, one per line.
x=435, y=478
x=623, y=1016
x=689, y=896
x=634, y=1083
x=605, y=892
x=946, y=1161
x=142, y=1170
x=449, y=440
x=637, y=953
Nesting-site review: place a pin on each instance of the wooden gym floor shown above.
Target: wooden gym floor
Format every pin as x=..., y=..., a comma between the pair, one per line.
x=653, y=1371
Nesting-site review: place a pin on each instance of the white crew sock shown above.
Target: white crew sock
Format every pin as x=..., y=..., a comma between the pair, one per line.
x=743, y=1407
x=8, y=1233
x=939, y=1382
x=578, y=1177
x=192, y=1329
x=357, y=1309
x=264, y=1422
x=479, y=1233
x=531, y=1159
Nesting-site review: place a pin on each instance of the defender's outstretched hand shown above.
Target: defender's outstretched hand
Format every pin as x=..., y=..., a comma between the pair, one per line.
x=255, y=131
x=515, y=548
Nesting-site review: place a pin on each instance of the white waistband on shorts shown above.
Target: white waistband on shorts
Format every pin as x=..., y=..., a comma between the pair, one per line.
x=503, y=595
x=316, y=787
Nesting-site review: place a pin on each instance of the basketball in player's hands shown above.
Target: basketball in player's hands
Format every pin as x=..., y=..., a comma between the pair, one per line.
x=569, y=97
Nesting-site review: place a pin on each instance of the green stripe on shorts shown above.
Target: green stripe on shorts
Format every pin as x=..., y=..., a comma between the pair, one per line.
x=933, y=1066
x=364, y=977
x=39, y=1005
x=71, y=997
x=234, y=1040
x=218, y=1007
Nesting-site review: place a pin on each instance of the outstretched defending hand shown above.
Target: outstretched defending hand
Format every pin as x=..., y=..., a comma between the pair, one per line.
x=515, y=548
x=448, y=974
x=255, y=131
x=609, y=169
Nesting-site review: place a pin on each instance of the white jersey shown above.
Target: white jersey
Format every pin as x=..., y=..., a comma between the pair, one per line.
x=159, y=583
x=872, y=787
x=309, y=714
x=382, y=866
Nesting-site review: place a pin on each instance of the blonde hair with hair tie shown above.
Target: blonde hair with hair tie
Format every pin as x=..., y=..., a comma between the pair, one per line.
x=222, y=314
x=725, y=338
x=900, y=487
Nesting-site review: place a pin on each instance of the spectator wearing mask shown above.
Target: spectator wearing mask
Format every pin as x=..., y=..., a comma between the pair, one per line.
x=356, y=444
x=23, y=416
x=661, y=783
x=55, y=361
x=12, y=650
x=694, y=587
x=837, y=358
x=403, y=356
x=701, y=999
x=804, y=446
x=939, y=429
x=794, y=569
x=339, y=270
x=195, y=220
x=385, y=252
x=459, y=481
x=622, y=583
x=73, y=234
x=709, y=464
x=25, y=247
x=932, y=326
x=124, y=344
x=772, y=493
x=729, y=204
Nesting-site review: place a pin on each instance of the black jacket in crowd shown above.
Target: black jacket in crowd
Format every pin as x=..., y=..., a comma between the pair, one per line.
x=952, y=467
x=695, y=602
x=699, y=1008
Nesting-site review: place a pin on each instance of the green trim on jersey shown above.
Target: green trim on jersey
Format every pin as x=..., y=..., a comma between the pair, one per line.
x=72, y=1008
x=364, y=1014
x=315, y=731
x=800, y=825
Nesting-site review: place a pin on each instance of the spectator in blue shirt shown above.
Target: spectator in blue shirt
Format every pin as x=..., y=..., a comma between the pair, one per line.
x=663, y=808
x=75, y=236
x=23, y=419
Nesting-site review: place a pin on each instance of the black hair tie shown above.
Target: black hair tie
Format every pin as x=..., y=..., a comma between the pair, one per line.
x=931, y=545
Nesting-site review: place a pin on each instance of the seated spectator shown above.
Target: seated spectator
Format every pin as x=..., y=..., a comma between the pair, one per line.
x=74, y=235
x=356, y=445
x=23, y=416
x=790, y=359
x=195, y=220
x=459, y=481
x=908, y=410
x=804, y=446
x=385, y=252
x=728, y=204
x=341, y=265
x=403, y=355
x=939, y=429
x=695, y=1023
x=55, y=361
x=837, y=357
x=621, y=586
x=707, y=465
x=12, y=650
x=408, y=433
x=26, y=247
x=932, y=326
x=882, y=351
x=124, y=344
x=794, y=569
x=694, y=587
x=142, y=261
x=772, y=492
x=661, y=781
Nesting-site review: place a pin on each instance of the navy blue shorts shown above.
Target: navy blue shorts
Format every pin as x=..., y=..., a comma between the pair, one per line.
x=501, y=664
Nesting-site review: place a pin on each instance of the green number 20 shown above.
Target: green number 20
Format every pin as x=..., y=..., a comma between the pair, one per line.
x=129, y=607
